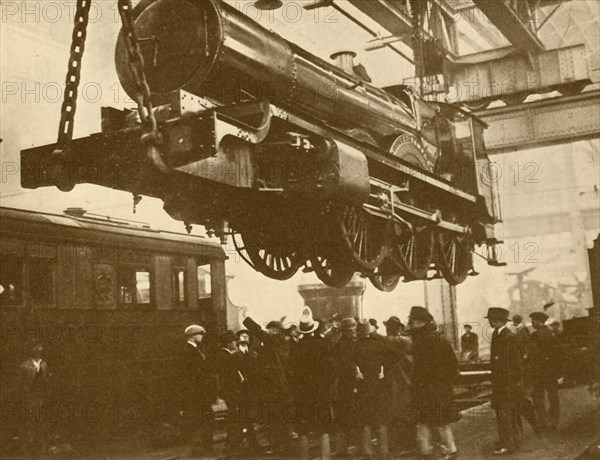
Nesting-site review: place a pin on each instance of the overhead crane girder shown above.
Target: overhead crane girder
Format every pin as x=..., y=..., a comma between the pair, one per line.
x=516, y=20
x=546, y=122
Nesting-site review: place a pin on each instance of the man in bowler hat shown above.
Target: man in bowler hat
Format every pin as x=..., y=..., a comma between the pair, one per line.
x=370, y=355
x=543, y=359
x=508, y=399
x=402, y=427
x=345, y=385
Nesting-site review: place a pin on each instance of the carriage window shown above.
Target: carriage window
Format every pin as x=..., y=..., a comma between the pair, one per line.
x=134, y=287
x=179, y=288
x=204, y=280
x=41, y=282
x=11, y=280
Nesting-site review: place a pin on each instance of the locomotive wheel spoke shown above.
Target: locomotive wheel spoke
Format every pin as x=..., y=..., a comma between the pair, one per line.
x=413, y=251
x=364, y=237
x=386, y=277
x=455, y=259
x=332, y=272
x=279, y=261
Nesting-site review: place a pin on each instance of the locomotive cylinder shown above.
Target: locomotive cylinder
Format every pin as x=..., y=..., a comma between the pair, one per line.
x=210, y=49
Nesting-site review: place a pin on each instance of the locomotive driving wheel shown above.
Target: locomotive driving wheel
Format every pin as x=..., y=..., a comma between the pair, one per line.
x=332, y=272
x=413, y=251
x=455, y=258
x=385, y=277
x=364, y=237
x=277, y=260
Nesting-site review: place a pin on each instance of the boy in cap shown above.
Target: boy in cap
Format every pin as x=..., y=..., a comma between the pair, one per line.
x=543, y=359
x=469, y=345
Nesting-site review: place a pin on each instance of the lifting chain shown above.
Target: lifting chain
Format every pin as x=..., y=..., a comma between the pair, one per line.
x=151, y=136
x=416, y=7
x=69, y=105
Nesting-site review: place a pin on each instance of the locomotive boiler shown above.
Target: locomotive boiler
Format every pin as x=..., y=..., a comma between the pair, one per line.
x=303, y=162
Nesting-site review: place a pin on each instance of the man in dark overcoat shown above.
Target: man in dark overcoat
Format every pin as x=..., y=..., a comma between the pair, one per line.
x=273, y=380
x=508, y=399
x=249, y=406
x=522, y=336
x=345, y=385
x=371, y=354
x=544, y=361
x=311, y=375
x=198, y=390
x=230, y=388
x=435, y=371
x=34, y=388
x=402, y=426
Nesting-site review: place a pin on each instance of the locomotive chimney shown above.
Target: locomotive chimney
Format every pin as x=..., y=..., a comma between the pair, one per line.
x=344, y=60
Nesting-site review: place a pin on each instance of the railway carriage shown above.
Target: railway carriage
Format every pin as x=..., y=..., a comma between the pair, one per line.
x=109, y=299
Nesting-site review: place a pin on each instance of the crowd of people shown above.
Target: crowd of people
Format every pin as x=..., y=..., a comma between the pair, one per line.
x=346, y=385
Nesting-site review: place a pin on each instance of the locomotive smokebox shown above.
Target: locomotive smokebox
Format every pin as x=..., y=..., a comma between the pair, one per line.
x=178, y=40
x=209, y=49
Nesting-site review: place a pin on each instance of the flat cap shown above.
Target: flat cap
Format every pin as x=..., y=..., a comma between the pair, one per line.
x=539, y=316
x=194, y=329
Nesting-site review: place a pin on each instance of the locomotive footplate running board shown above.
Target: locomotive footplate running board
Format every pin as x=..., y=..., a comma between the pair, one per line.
x=99, y=157
x=117, y=159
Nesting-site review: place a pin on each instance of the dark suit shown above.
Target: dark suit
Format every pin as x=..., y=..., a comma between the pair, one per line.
x=230, y=382
x=469, y=346
x=311, y=378
x=402, y=424
x=543, y=360
x=34, y=387
x=370, y=355
x=249, y=401
x=272, y=362
x=198, y=393
x=508, y=399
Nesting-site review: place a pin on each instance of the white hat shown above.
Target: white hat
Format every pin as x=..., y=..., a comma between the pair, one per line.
x=194, y=329
x=307, y=324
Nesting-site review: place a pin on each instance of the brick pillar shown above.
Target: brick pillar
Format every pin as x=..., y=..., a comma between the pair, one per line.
x=324, y=301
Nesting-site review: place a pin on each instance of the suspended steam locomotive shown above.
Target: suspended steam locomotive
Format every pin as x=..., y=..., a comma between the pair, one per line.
x=304, y=163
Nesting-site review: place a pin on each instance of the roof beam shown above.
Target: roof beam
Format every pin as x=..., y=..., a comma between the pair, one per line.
x=389, y=16
x=512, y=23
x=547, y=122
